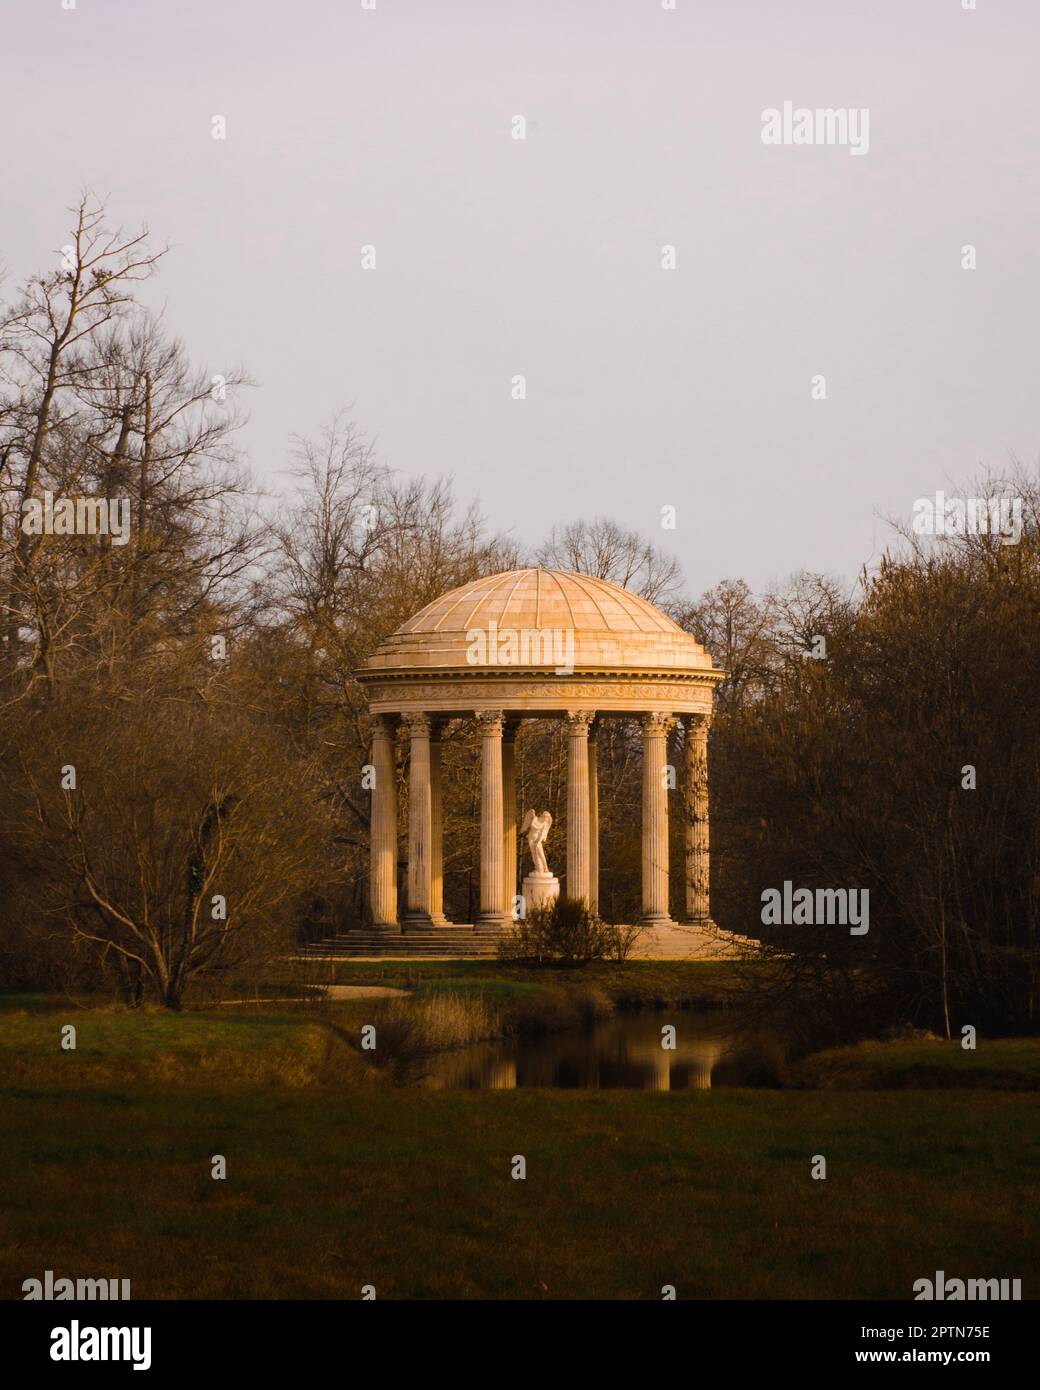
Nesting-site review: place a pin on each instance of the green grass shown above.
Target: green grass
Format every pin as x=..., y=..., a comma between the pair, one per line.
x=481, y=987
x=1011, y=1064
x=411, y=1191
x=632, y=984
x=283, y=1044
x=10, y=1001
x=145, y=1032
x=337, y=1179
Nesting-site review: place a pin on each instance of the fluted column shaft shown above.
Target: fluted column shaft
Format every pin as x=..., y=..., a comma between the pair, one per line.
x=578, y=880
x=655, y=819
x=420, y=819
x=492, y=823
x=383, y=830
x=509, y=830
x=593, y=821
x=437, y=845
x=697, y=833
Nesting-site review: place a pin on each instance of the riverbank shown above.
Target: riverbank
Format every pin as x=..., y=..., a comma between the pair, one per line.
x=337, y=1178
x=319, y=1042
x=634, y=984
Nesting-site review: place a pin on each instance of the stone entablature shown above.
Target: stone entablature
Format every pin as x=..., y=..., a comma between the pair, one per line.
x=531, y=691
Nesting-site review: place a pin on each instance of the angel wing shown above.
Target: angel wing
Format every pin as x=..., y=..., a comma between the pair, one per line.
x=528, y=818
x=547, y=822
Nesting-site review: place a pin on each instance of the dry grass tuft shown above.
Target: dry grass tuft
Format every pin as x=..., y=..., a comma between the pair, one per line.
x=410, y=1031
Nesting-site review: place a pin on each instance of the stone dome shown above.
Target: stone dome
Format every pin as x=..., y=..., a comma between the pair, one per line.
x=611, y=629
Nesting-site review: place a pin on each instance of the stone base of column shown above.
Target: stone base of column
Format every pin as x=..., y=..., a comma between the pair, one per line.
x=384, y=928
x=493, y=923
x=424, y=921
x=685, y=941
x=657, y=920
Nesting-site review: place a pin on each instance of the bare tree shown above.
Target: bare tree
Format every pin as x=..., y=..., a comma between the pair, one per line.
x=606, y=550
x=44, y=342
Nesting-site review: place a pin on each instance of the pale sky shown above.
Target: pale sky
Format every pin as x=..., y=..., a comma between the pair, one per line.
x=496, y=257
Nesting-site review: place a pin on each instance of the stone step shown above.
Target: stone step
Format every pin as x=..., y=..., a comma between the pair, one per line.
x=406, y=941
x=425, y=940
x=437, y=942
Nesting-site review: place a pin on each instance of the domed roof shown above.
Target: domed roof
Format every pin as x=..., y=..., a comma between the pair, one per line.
x=611, y=629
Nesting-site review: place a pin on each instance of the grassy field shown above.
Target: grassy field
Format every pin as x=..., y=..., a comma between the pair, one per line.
x=648, y=984
x=411, y=1191
x=336, y=1178
x=1002, y=1064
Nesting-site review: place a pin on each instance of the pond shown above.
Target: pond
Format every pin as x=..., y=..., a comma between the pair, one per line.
x=624, y=1050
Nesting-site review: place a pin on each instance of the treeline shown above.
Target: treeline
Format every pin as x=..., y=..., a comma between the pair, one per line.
x=902, y=759
x=182, y=739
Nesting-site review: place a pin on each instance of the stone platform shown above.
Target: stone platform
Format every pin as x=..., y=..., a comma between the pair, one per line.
x=457, y=942
x=462, y=942
x=679, y=941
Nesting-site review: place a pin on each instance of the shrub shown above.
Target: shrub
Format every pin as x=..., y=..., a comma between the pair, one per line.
x=564, y=932
x=621, y=940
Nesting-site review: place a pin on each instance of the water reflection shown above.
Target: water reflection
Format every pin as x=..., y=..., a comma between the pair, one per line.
x=623, y=1051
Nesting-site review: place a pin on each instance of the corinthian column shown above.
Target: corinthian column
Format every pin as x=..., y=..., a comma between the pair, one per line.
x=420, y=821
x=437, y=846
x=655, y=819
x=382, y=879
x=593, y=820
x=492, y=822
x=578, y=880
x=509, y=830
x=695, y=797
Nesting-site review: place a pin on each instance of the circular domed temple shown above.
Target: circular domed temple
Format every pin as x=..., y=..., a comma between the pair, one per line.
x=536, y=643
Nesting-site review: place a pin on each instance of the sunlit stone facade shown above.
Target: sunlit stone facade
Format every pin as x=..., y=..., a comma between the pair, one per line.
x=538, y=643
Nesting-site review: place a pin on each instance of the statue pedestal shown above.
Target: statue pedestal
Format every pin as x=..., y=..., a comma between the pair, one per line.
x=539, y=890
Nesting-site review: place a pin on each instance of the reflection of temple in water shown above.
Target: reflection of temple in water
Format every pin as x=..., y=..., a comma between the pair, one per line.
x=688, y=1068
x=621, y=1052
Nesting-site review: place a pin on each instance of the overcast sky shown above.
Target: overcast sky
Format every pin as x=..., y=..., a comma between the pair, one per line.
x=496, y=257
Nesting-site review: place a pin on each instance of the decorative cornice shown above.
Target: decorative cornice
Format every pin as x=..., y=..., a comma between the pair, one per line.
x=539, y=673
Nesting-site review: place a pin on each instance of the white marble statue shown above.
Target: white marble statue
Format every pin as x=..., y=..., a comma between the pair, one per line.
x=536, y=828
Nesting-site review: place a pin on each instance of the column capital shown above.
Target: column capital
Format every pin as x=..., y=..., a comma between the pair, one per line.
x=700, y=722
x=384, y=725
x=491, y=721
x=579, y=721
x=657, y=722
x=419, y=725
